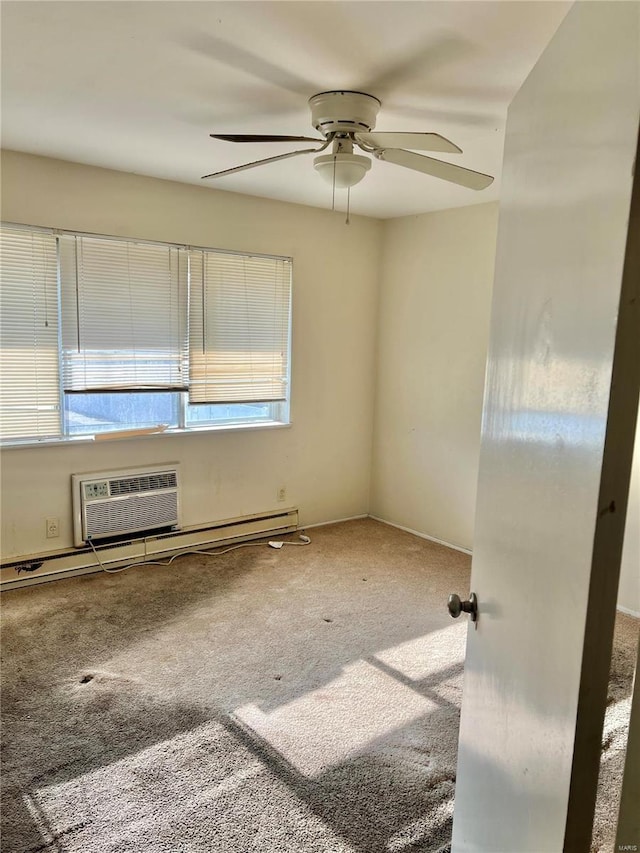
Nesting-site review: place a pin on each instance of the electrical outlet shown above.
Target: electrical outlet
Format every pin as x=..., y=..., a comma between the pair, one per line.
x=282, y=493
x=53, y=528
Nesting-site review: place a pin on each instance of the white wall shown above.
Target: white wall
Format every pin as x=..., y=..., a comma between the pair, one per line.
x=324, y=458
x=435, y=300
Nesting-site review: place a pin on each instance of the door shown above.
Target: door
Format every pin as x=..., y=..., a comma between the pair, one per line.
x=557, y=440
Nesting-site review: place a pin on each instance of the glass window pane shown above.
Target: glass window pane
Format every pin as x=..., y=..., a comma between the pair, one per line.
x=219, y=413
x=90, y=413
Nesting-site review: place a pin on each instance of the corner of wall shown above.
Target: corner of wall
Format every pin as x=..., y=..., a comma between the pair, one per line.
x=431, y=340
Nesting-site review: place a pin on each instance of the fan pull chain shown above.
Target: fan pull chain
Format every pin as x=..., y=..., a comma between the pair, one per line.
x=347, y=222
x=333, y=196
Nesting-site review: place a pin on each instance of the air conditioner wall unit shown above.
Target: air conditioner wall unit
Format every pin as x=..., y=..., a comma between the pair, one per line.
x=125, y=501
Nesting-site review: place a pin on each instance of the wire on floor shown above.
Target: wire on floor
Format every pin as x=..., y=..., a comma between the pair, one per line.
x=273, y=543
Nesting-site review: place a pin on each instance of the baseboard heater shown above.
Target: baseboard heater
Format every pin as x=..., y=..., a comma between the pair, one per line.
x=39, y=568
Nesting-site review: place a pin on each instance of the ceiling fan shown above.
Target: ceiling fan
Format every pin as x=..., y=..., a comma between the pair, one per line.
x=346, y=119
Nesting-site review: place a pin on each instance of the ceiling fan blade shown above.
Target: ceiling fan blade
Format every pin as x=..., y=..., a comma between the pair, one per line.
x=262, y=162
x=414, y=141
x=256, y=137
x=439, y=169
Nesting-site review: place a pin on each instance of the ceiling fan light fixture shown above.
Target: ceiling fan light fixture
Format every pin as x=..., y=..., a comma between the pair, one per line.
x=342, y=170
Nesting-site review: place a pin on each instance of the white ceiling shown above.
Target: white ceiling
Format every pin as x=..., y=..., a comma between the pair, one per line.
x=138, y=86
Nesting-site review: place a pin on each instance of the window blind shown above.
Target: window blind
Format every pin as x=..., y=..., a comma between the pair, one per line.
x=238, y=328
x=29, y=371
x=124, y=317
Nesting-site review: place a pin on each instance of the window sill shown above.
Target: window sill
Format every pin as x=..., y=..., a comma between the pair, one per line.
x=73, y=440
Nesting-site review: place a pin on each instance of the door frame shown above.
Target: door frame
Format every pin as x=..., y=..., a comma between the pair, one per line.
x=608, y=541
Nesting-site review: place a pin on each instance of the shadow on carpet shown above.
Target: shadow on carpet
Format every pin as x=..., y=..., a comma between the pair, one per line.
x=214, y=785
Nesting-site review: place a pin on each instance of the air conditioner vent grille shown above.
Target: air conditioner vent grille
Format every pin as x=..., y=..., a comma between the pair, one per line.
x=137, y=512
x=143, y=483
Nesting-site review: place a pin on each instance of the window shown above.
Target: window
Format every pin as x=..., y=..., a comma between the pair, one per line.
x=101, y=334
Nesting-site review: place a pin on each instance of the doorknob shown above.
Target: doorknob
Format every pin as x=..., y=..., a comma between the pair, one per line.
x=457, y=606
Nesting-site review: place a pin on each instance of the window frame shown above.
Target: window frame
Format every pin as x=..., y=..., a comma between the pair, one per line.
x=279, y=411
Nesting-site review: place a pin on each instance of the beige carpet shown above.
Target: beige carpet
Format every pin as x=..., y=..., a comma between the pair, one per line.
x=305, y=699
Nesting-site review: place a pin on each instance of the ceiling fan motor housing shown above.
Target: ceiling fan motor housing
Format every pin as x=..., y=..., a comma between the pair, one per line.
x=343, y=112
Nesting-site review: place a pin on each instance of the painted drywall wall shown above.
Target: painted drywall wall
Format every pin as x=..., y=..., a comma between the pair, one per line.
x=323, y=458
x=437, y=277
x=435, y=299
